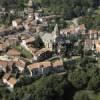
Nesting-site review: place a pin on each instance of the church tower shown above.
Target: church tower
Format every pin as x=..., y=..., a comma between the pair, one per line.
x=56, y=32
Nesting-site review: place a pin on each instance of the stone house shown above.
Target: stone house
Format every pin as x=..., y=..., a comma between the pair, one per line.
x=20, y=64
x=6, y=66
x=13, y=53
x=58, y=66
x=42, y=54
x=3, y=47
x=16, y=23
x=39, y=68
x=9, y=81
x=45, y=68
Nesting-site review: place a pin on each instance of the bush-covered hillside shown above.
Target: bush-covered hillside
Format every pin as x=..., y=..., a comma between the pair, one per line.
x=68, y=8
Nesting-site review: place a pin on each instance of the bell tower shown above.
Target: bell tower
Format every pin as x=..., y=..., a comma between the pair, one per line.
x=56, y=32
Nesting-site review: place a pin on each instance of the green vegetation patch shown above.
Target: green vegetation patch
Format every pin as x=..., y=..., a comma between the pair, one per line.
x=25, y=53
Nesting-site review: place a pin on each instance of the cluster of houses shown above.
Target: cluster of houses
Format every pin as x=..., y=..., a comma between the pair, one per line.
x=12, y=60
x=34, y=70
x=50, y=45
x=92, y=37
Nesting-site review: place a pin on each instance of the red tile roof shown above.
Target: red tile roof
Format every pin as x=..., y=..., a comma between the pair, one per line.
x=57, y=63
x=39, y=64
x=12, y=81
x=6, y=76
x=13, y=52
x=20, y=63
x=3, y=63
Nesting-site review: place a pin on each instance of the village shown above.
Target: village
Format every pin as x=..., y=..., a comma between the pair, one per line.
x=26, y=50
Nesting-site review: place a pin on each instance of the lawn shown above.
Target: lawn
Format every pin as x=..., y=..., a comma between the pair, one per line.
x=26, y=53
x=23, y=51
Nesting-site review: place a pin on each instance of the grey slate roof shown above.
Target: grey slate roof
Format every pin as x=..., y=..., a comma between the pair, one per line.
x=47, y=37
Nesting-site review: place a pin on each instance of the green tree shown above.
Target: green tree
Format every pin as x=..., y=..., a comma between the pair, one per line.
x=87, y=61
x=50, y=88
x=78, y=78
x=94, y=83
x=84, y=95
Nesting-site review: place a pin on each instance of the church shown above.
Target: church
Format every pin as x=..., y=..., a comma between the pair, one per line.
x=54, y=40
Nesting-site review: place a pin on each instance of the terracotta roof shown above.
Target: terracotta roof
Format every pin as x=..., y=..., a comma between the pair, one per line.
x=2, y=46
x=12, y=81
x=13, y=52
x=39, y=64
x=45, y=64
x=33, y=66
x=6, y=76
x=57, y=63
x=3, y=63
x=20, y=63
